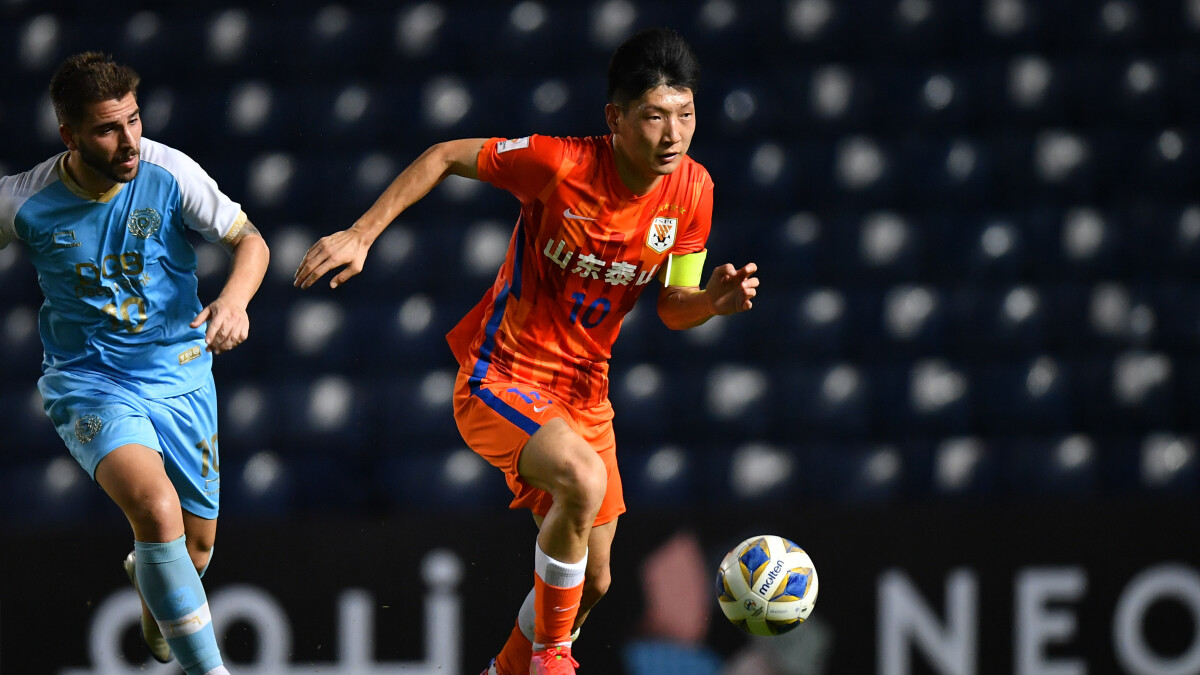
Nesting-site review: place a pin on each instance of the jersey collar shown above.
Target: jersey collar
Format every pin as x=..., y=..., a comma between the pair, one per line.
x=78, y=190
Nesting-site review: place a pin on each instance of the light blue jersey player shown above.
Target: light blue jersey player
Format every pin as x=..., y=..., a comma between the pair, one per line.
x=126, y=377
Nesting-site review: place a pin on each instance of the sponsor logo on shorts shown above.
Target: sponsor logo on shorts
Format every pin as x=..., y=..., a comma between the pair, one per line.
x=87, y=427
x=190, y=355
x=144, y=223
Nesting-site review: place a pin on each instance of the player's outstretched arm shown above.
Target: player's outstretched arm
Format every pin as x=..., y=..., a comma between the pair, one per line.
x=348, y=248
x=228, y=322
x=729, y=290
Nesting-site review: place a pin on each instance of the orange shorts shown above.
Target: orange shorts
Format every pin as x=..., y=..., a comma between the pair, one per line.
x=496, y=419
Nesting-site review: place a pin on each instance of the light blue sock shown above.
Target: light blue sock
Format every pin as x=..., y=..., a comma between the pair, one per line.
x=172, y=590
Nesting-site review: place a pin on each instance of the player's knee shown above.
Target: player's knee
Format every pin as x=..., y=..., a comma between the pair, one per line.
x=155, y=512
x=584, y=482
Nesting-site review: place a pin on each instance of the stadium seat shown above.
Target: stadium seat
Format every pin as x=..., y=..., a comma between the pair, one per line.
x=260, y=485
x=878, y=246
x=931, y=101
x=1169, y=464
x=1130, y=393
x=323, y=416
x=807, y=324
x=823, y=402
x=53, y=491
x=752, y=472
x=981, y=246
x=964, y=467
x=399, y=337
x=413, y=412
x=439, y=480
x=640, y=394
x=1021, y=398
x=923, y=398
x=989, y=322
x=856, y=474
x=662, y=475
x=913, y=319
x=250, y=414
x=1056, y=467
x=20, y=342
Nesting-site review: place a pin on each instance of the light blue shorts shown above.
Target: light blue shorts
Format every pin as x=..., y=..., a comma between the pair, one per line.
x=95, y=417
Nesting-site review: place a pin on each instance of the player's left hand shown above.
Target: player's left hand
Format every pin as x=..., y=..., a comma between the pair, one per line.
x=732, y=290
x=228, y=325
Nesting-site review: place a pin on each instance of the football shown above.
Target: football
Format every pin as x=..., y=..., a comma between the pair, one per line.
x=767, y=585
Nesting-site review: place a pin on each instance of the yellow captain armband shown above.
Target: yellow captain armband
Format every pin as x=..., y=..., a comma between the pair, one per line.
x=684, y=270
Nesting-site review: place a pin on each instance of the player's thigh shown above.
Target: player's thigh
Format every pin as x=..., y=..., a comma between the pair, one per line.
x=133, y=477
x=557, y=457
x=522, y=430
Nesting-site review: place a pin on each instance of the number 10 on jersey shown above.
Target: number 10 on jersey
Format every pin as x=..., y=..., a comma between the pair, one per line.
x=593, y=314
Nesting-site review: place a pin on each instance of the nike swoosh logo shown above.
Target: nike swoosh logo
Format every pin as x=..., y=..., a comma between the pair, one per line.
x=567, y=214
x=566, y=609
x=537, y=409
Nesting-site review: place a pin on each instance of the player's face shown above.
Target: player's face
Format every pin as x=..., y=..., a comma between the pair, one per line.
x=109, y=138
x=654, y=131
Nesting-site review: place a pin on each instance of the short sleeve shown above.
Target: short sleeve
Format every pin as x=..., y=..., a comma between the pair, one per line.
x=205, y=208
x=695, y=236
x=8, y=213
x=16, y=190
x=522, y=166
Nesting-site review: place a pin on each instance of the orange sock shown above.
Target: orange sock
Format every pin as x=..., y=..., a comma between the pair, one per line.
x=556, y=610
x=514, y=658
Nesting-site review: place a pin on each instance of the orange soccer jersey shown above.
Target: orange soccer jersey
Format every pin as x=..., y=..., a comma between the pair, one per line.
x=583, y=250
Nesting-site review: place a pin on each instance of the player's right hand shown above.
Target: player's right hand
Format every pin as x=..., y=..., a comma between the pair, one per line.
x=347, y=249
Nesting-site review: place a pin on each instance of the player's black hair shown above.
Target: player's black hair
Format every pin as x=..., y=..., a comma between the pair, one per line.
x=652, y=58
x=87, y=78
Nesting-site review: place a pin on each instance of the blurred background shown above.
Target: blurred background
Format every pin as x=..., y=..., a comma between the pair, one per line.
x=977, y=227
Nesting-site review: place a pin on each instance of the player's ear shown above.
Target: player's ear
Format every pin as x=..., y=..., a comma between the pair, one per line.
x=612, y=115
x=67, y=136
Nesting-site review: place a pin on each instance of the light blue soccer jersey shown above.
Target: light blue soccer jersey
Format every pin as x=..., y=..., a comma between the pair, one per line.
x=116, y=269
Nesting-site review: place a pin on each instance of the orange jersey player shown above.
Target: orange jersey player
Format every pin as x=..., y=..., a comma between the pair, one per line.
x=600, y=218
x=584, y=249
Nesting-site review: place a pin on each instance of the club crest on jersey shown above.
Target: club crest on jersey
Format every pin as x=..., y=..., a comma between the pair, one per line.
x=662, y=234
x=87, y=427
x=144, y=223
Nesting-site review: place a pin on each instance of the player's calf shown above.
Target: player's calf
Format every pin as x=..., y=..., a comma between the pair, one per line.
x=171, y=588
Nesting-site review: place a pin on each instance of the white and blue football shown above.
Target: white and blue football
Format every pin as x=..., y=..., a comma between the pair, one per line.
x=767, y=585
